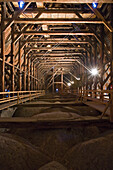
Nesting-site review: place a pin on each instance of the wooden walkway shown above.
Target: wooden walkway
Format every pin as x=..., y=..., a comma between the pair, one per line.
x=98, y=106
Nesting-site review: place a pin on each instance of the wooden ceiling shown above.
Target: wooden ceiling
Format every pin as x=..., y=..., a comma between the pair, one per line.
x=48, y=30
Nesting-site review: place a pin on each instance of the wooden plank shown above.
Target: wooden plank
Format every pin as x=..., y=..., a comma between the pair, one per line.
x=56, y=48
x=63, y=123
x=20, y=55
x=111, y=64
x=28, y=67
x=98, y=106
x=66, y=1
x=3, y=45
x=55, y=21
x=57, y=41
x=25, y=69
x=12, y=57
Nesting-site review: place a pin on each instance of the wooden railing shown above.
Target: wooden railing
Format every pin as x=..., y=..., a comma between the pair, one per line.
x=16, y=97
x=100, y=96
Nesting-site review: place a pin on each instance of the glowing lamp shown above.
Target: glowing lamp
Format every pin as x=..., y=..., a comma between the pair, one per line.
x=21, y=4
x=72, y=82
x=69, y=84
x=94, y=5
x=94, y=71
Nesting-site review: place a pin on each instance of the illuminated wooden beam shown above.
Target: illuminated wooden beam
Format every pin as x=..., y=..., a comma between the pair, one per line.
x=99, y=15
x=57, y=41
x=55, y=21
x=56, y=54
x=56, y=48
x=66, y=1
x=82, y=33
x=43, y=10
x=17, y=14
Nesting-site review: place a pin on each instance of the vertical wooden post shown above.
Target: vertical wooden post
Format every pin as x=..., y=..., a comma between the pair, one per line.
x=3, y=16
x=91, y=64
x=53, y=83
x=20, y=55
x=36, y=80
x=32, y=75
x=28, y=74
x=12, y=57
x=95, y=63
x=102, y=57
x=25, y=65
x=86, y=78
x=62, y=81
x=111, y=53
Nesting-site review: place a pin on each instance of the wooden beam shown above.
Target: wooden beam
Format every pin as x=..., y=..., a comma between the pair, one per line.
x=57, y=54
x=20, y=78
x=56, y=41
x=3, y=6
x=17, y=14
x=32, y=75
x=54, y=21
x=28, y=65
x=98, y=14
x=102, y=55
x=12, y=58
x=62, y=81
x=111, y=64
x=84, y=33
x=25, y=69
x=66, y=1
x=56, y=48
x=64, y=10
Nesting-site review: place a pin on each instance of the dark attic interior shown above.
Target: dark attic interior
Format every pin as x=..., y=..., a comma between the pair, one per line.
x=56, y=85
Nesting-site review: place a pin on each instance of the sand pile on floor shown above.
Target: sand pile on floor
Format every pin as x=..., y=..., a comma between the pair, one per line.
x=95, y=154
x=57, y=115
x=53, y=166
x=28, y=111
x=56, y=142
x=17, y=155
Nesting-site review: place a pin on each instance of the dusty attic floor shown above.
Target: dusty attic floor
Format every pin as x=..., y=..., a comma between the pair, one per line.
x=80, y=148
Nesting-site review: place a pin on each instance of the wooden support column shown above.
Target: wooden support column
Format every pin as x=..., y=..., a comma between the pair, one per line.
x=32, y=75
x=91, y=64
x=28, y=65
x=20, y=78
x=2, y=68
x=36, y=75
x=12, y=57
x=111, y=53
x=102, y=58
x=86, y=78
x=95, y=61
x=38, y=79
x=102, y=54
x=53, y=87
x=62, y=81
x=25, y=69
